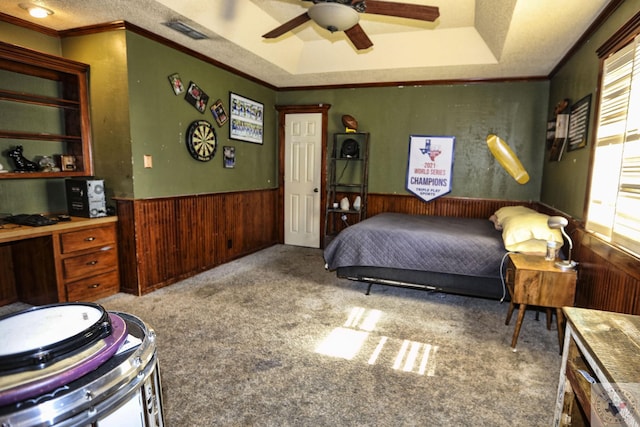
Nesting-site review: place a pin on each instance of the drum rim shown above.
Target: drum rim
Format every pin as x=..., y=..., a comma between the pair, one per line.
x=113, y=386
x=65, y=370
x=42, y=356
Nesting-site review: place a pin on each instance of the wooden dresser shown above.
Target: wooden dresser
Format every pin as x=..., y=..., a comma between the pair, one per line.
x=75, y=260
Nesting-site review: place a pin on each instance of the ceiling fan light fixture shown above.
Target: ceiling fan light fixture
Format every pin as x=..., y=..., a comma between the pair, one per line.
x=334, y=16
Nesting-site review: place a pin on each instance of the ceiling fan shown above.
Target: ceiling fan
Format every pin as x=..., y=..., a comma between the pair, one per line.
x=343, y=15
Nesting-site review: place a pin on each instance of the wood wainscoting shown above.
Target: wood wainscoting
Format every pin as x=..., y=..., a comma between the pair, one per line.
x=443, y=206
x=608, y=278
x=164, y=240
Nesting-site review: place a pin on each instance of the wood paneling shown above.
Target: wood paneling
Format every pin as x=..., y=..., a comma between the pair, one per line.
x=165, y=240
x=7, y=278
x=443, y=206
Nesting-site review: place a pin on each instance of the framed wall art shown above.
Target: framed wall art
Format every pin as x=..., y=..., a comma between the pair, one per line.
x=176, y=83
x=246, y=119
x=196, y=97
x=229, y=157
x=579, y=123
x=217, y=109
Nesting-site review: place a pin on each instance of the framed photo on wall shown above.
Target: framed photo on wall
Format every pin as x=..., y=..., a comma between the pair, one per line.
x=196, y=97
x=229, y=157
x=217, y=109
x=579, y=123
x=246, y=118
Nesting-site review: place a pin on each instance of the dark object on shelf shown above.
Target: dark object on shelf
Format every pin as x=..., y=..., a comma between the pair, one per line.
x=350, y=149
x=22, y=163
x=33, y=220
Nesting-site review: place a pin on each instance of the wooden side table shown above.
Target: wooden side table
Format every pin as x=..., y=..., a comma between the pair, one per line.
x=598, y=382
x=532, y=280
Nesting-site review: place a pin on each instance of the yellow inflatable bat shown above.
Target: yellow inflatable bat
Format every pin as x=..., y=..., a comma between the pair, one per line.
x=509, y=161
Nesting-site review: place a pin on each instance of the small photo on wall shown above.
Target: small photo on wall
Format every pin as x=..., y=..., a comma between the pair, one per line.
x=176, y=83
x=217, y=109
x=229, y=157
x=196, y=97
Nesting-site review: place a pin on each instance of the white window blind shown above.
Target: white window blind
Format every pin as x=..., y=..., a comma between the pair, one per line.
x=614, y=201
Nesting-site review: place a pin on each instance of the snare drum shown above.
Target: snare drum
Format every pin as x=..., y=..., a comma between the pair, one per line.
x=123, y=390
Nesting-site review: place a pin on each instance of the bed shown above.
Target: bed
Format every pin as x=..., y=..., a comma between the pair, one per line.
x=448, y=254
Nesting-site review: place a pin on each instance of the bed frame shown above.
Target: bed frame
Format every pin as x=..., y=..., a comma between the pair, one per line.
x=484, y=287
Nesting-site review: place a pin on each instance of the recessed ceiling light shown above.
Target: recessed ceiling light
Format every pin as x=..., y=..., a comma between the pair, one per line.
x=36, y=11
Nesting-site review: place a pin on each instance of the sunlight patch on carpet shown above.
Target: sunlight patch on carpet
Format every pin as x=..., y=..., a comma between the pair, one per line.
x=347, y=341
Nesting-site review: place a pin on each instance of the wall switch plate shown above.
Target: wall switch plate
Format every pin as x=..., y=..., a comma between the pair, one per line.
x=148, y=161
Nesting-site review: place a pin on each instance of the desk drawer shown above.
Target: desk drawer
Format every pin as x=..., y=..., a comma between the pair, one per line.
x=89, y=238
x=90, y=264
x=93, y=288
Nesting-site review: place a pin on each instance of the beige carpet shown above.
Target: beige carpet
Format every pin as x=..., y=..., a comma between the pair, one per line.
x=275, y=340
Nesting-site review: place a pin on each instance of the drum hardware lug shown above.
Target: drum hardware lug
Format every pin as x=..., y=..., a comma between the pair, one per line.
x=88, y=395
x=137, y=361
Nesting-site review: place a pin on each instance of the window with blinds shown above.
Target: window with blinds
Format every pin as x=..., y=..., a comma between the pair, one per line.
x=614, y=200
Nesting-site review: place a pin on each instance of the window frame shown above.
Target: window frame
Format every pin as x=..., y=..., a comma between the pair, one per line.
x=619, y=40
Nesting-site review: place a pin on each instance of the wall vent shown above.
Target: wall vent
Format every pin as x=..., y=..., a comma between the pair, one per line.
x=183, y=28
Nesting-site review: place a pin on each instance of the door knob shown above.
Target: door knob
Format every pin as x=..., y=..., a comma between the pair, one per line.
x=315, y=190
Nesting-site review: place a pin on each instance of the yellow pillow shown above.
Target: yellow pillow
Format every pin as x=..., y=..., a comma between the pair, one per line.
x=525, y=227
x=531, y=247
x=508, y=211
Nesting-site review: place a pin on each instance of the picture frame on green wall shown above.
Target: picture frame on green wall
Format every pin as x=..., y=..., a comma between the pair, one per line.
x=197, y=97
x=247, y=119
x=176, y=83
x=219, y=113
x=579, y=123
x=229, y=157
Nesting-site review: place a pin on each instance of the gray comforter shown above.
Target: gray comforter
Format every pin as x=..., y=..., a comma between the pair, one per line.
x=467, y=246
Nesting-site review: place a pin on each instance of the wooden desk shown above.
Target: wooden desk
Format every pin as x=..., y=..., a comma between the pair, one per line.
x=603, y=346
x=74, y=260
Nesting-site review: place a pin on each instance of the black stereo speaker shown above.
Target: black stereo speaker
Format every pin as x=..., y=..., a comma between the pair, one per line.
x=350, y=149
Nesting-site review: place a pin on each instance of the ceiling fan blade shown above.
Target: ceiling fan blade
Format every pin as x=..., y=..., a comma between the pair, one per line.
x=287, y=26
x=358, y=37
x=402, y=10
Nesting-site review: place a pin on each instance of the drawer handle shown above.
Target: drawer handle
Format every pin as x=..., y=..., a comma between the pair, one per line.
x=89, y=239
x=94, y=286
x=94, y=262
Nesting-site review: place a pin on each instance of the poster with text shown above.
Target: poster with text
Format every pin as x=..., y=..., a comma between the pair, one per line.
x=430, y=165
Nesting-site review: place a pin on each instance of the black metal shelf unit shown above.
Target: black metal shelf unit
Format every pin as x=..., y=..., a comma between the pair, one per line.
x=348, y=177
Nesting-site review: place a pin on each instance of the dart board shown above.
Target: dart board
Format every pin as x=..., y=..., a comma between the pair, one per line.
x=201, y=140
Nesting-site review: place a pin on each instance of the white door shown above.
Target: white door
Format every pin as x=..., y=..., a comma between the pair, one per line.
x=302, y=186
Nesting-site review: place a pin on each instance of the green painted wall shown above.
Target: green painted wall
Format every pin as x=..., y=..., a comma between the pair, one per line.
x=565, y=183
x=30, y=39
x=514, y=111
x=159, y=121
x=134, y=112
x=106, y=53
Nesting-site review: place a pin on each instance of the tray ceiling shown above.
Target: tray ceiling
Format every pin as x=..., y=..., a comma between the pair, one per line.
x=472, y=39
